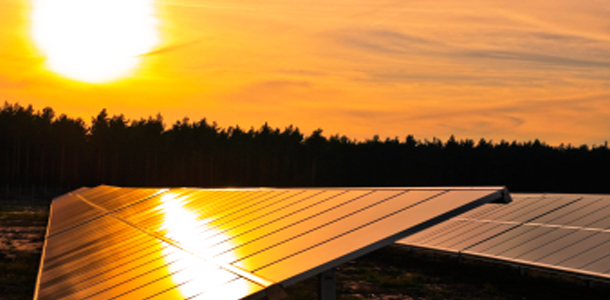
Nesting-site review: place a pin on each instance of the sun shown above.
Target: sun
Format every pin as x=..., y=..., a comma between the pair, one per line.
x=94, y=41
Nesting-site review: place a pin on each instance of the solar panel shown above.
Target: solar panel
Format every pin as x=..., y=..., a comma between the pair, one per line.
x=127, y=243
x=561, y=232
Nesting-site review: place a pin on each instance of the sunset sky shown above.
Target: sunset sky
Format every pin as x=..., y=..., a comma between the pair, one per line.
x=513, y=70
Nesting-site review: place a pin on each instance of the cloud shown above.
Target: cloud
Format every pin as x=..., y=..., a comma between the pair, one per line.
x=538, y=58
x=382, y=41
x=171, y=48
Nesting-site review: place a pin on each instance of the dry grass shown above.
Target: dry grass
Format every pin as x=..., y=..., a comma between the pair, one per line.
x=22, y=229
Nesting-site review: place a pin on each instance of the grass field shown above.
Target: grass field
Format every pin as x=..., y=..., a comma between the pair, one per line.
x=22, y=229
x=392, y=273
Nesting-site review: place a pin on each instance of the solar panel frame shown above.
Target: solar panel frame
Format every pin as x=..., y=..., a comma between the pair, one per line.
x=131, y=218
x=569, y=235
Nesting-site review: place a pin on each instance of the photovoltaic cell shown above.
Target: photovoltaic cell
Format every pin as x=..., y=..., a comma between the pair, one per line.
x=562, y=232
x=128, y=243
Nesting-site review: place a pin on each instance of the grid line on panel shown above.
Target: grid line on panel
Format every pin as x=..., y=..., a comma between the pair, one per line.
x=435, y=237
x=584, y=216
x=213, y=199
x=478, y=232
x=246, y=207
x=97, y=259
x=524, y=222
x=343, y=233
x=269, y=213
x=97, y=274
x=125, y=271
x=105, y=197
x=177, y=286
x=233, y=269
x=97, y=191
x=124, y=199
x=559, y=238
x=292, y=224
x=239, y=207
x=599, y=220
x=448, y=237
x=539, y=208
x=555, y=228
x=607, y=271
x=90, y=270
x=168, y=275
x=440, y=234
x=546, y=244
x=315, y=228
x=240, y=199
x=103, y=210
x=261, y=208
x=221, y=199
x=417, y=239
x=504, y=211
x=507, y=210
x=483, y=210
x=204, y=292
x=563, y=246
x=491, y=229
x=75, y=251
x=570, y=212
x=533, y=224
x=514, y=246
x=592, y=213
x=77, y=289
x=140, y=275
x=161, y=191
x=585, y=251
x=218, y=231
x=75, y=226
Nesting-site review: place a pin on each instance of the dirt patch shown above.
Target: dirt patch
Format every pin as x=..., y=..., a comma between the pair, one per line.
x=22, y=231
x=21, y=238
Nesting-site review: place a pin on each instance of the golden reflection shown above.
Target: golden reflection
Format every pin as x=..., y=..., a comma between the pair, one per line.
x=194, y=274
x=94, y=40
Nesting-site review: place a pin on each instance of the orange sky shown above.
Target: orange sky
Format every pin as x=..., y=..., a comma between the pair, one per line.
x=514, y=70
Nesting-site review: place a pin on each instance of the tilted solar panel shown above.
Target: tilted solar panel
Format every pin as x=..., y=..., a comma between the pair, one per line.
x=569, y=233
x=127, y=243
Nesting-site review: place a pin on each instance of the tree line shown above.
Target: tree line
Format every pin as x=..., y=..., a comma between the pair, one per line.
x=37, y=147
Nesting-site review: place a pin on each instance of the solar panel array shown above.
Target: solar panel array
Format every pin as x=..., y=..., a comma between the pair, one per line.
x=126, y=243
x=569, y=233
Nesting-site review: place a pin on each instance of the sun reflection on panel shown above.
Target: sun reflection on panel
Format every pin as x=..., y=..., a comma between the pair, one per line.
x=193, y=273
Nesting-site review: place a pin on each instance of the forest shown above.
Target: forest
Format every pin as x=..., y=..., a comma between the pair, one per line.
x=38, y=148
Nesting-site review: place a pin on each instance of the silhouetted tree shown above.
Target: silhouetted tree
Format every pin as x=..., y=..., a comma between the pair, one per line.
x=38, y=148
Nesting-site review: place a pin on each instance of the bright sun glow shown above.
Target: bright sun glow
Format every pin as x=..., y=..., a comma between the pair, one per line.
x=194, y=274
x=94, y=40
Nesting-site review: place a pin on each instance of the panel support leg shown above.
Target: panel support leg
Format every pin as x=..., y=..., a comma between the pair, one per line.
x=590, y=283
x=327, y=285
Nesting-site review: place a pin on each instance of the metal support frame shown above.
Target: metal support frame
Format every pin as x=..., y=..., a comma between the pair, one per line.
x=275, y=292
x=522, y=270
x=327, y=285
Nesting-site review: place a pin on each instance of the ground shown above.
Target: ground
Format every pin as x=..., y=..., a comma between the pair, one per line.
x=392, y=273
x=22, y=229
